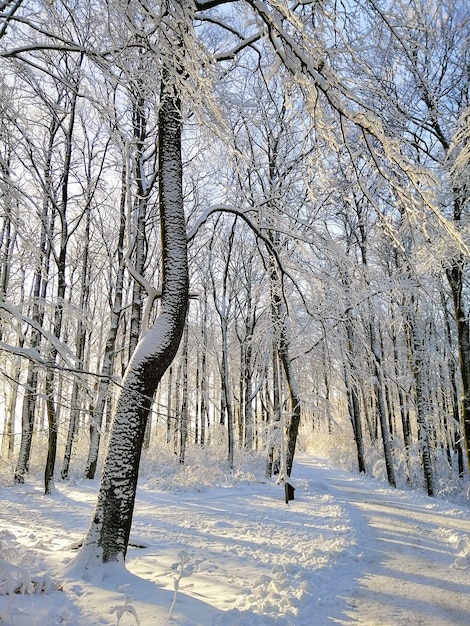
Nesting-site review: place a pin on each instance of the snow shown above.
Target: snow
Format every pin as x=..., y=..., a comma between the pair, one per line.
x=347, y=550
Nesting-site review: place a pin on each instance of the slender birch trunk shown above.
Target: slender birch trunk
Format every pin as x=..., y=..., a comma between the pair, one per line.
x=353, y=399
x=415, y=349
x=38, y=294
x=102, y=399
x=380, y=404
x=80, y=344
x=61, y=262
x=203, y=385
x=184, y=398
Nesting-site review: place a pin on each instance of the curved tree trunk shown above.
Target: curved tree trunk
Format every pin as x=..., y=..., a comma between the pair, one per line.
x=108, y=534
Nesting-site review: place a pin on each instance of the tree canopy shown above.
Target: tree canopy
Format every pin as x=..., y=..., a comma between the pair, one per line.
x=287, y=180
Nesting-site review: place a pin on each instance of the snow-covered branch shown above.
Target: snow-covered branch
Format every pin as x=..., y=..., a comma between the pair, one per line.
x=13, y=311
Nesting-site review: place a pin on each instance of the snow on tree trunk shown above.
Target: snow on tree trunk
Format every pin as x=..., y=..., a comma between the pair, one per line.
x=110, y=526
x=274, y=416
x=353, y=398
x=294, y=398
x=184, y=402
x=203, y=386
x=281, y=348
x=418, y=368
x=246, y=392
x=416, y=357
x=380, y=404
x=458, y=440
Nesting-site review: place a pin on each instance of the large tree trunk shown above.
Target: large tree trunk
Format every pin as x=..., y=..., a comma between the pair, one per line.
x=273, y=419
x=110, y=526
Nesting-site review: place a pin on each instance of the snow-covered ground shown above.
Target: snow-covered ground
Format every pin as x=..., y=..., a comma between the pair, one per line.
x=345, y=551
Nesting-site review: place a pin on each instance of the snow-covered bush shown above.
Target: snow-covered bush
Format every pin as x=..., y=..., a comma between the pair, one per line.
x=204, y=466
x=18, y=571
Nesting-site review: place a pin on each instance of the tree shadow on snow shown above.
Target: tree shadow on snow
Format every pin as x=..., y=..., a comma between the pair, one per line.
x=115, y=591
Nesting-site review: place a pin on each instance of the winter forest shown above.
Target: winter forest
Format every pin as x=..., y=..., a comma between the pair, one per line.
x=233, y=230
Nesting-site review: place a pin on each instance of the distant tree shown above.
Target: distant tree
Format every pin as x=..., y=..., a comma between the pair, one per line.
x=223, y=304
x=433, y=58
x=43, y=168
x=94, y=151
x=103, y=391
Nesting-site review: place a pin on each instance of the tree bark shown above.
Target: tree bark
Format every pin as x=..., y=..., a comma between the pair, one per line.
x=380, y=404
x=39, y=291
x=108, y=535
x=61, y=262
x=456, y=282
x=294, y=401
x=184, y=398
x=417, y=366
x=281, y=352
x=76, y=399
x=353, y=399
x=203, y=377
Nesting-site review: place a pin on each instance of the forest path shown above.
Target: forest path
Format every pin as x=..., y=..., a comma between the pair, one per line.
x=414, y=552
x=348, y=550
